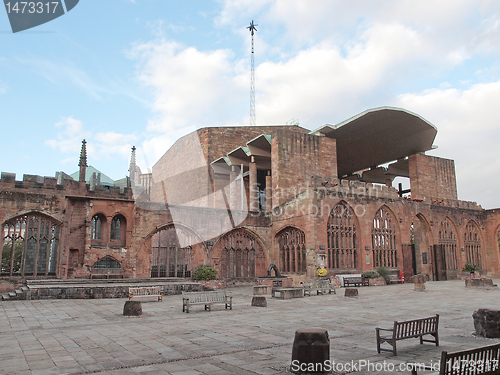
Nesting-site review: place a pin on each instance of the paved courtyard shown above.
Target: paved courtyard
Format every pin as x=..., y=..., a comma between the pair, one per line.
x=93, y=337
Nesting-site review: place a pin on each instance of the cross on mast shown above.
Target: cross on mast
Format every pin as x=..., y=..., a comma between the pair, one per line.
x=252, y=29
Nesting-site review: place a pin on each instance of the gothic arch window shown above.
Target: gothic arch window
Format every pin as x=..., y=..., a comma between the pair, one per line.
x=118, y=229
x=472, y=244
x=448, y=241
x=241, y=255
x=292, y=250
x=106, y=263
x=30, y=246
x=168, y=257
x=97, y=227
x=384, y=239
x=342, y=237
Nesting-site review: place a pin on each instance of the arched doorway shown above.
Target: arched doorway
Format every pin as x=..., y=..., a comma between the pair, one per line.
x=472, y=245
x=424, y=247
x=168, y=258
x=30, y=246
x=241, y=255
x=448, y=245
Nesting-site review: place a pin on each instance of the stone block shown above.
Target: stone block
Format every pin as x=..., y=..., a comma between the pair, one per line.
x=487, y=323
x=259, y=290
x=8, y=177
x=259, y=301
x=419, y=287
x=484, y=282
x=132, y=308
x=310, y=350
x=287, y=293
x=351, y=292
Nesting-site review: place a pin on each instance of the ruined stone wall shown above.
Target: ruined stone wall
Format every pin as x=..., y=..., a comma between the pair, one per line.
x=72, y=204
x=297, y=156
x=183, y=173
x=432, y=177
x=310, y=211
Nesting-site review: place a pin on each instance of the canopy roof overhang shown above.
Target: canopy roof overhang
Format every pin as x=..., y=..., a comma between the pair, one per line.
x=378, y=136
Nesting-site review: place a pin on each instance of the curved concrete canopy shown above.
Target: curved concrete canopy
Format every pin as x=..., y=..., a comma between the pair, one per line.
x=378, y=136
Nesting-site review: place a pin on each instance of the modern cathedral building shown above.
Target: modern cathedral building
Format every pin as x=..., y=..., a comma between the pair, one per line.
x=244, y=198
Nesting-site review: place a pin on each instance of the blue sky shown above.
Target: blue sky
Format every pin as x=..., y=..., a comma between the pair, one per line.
x=122, y=72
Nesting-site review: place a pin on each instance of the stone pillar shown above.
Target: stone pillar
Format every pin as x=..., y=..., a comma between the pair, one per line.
x=233, y=191
x=269, y=192
x=252, y=188
x=487, y=323
x=419, y=281
x=351, y=292
x=132, y=308
x=259, y=301
x=311, y=348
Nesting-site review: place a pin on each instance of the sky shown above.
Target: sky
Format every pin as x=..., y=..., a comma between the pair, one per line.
x=123, y=73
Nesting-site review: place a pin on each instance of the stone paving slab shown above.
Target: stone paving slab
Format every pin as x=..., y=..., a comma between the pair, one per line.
x=93, y=337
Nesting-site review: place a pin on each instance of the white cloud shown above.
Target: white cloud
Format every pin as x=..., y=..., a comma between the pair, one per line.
x=468, y=132
x=102, y=145
x=70, y=136
x=111, y=143
x=191, y=87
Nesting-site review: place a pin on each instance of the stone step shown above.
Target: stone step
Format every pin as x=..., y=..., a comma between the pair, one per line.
x=19, y=291
x=152, y=281
x=25, y=288
x=5, y=297
x=12, y=294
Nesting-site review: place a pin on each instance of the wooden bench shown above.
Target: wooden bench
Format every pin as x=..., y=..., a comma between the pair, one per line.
x=409, y=329
x=477, y=361
x=207, y=298
x=356, y=281
x=145, y=291
x=320, y=286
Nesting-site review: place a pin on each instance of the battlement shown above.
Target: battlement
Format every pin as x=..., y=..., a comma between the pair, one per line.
x=63, y=183
x=332, y=186
x=328, y=186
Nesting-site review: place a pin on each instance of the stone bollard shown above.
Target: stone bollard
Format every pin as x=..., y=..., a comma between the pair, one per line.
x=310, y=351
x=132, y=308
x=259, y=301
x=351, y=292
x=481, y=282
x=419, y=282
x=487, y=323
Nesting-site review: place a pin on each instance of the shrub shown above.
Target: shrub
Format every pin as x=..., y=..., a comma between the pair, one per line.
x=370, y=274
x=384, y=272
x=469, y=267
x=204, y=273
x=321, y=272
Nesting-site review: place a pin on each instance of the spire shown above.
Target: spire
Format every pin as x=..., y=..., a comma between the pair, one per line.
x=132, y=168
x=83, y=161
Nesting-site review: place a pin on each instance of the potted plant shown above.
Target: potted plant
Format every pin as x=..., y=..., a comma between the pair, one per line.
x=471, y=268
x=321, y=272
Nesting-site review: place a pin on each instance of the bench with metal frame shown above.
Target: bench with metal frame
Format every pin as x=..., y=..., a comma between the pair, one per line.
x=409, y=329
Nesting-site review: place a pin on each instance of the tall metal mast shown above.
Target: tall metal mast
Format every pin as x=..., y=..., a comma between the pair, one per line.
x=252, y=29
